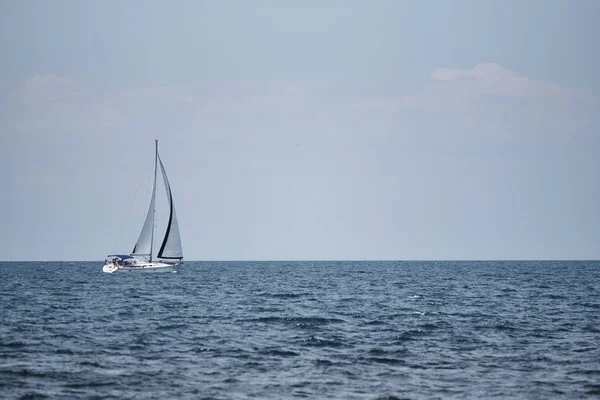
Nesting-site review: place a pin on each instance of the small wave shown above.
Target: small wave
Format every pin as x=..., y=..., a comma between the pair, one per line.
x=83, y=385
x=302, y=321
x=385, y=360
x=253, y=364
x=26, y=372
x=377, y=351
x=90, y=364
x=412, y=334
x=590, y=305
x=171, y=327
x=322, y=342
x=431, y=326
x=63, y=336
x=15, y=344
x=543, y=286
x=262, y=309
x=200, y=349
x=590, y=328
x=585, y=372
x=375, y=322
x=555, y=297
x=584, y=349
x=279, y=353
x=504, y=327
x=347, y=299
x=34, y=395
x=592, y=388
x=287, y=295
x=64, y=351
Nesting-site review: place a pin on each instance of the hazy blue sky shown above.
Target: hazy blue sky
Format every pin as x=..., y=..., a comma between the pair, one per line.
x=427, y=129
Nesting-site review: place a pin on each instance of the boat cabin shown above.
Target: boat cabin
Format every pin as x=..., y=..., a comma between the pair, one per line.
x=119, y=259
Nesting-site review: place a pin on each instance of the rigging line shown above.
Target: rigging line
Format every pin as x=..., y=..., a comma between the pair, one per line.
x=131, y=204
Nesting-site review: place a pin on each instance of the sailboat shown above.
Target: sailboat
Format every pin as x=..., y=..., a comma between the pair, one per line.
x=169, y=255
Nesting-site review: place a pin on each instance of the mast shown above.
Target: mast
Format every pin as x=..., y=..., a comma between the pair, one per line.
x=154, y=194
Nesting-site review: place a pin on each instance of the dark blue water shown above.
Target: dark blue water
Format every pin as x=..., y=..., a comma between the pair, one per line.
x=348, y=330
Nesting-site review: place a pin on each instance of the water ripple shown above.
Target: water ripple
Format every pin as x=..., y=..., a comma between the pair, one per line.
x=347, y=330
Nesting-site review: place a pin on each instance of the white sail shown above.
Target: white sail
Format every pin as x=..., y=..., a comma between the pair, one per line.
x=171, y=245
x=143, y=247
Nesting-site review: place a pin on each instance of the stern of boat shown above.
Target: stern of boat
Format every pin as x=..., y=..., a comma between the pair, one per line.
x=109, y=268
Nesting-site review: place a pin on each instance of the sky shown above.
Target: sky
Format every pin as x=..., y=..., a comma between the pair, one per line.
x=302, y=130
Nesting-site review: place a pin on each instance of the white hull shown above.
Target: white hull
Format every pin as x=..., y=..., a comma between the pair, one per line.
x=145, y=267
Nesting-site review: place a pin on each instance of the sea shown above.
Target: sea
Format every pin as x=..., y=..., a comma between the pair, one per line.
x=313, y=329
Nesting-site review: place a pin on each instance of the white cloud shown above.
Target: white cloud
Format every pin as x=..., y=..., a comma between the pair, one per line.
x=461, y=90
x=487, y=92
x=48, y=88
x=485, y=71
x=447, y=90
x=493, y=79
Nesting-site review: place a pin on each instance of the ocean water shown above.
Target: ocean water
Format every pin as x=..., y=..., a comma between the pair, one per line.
x=282, y=330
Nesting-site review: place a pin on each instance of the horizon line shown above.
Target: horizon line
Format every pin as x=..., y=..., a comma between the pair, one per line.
x=344, y=259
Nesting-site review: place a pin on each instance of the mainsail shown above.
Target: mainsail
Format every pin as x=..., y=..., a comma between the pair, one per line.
x=171, y=245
